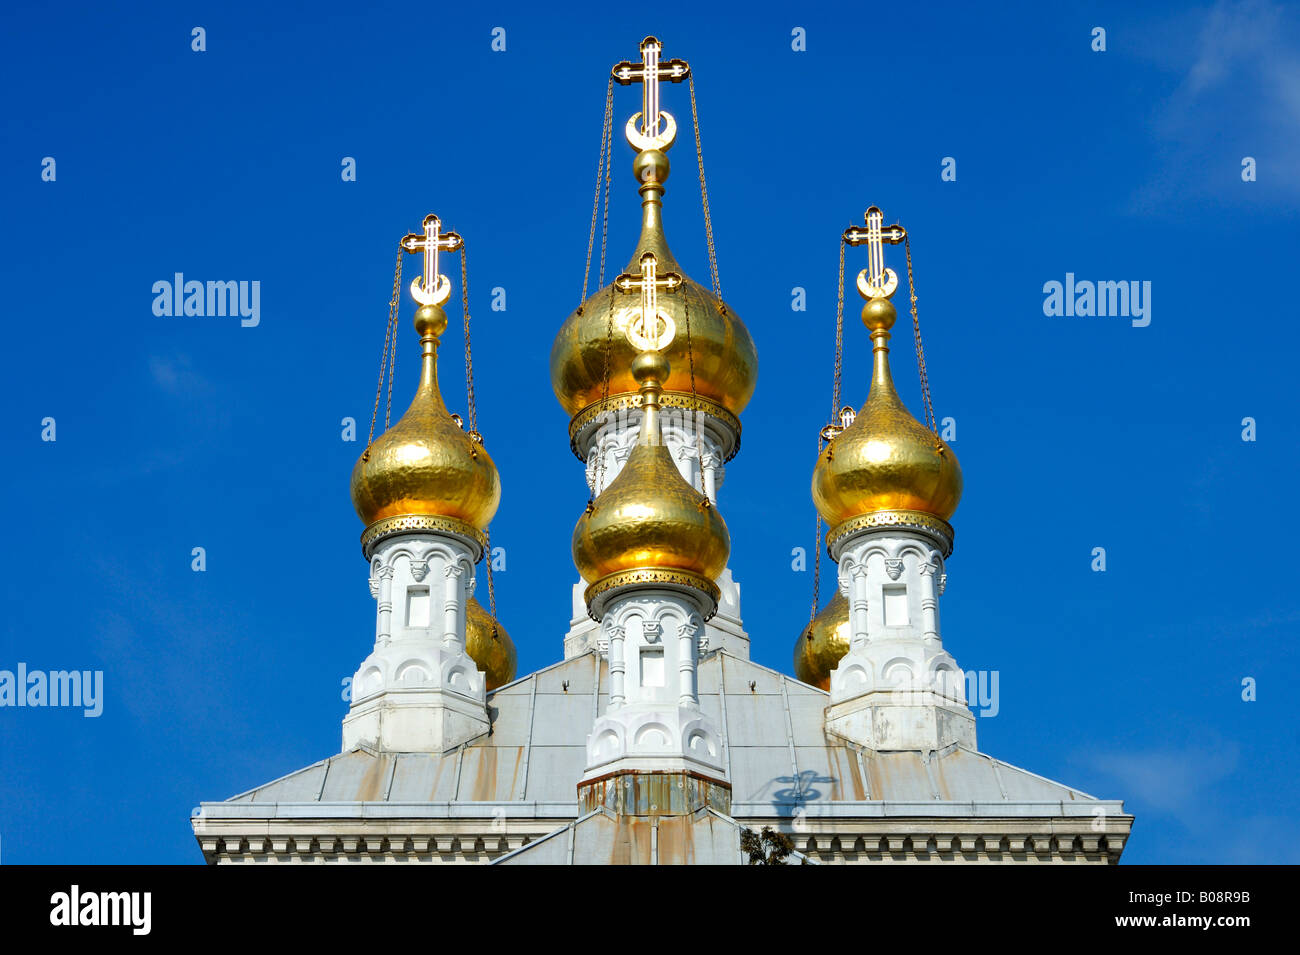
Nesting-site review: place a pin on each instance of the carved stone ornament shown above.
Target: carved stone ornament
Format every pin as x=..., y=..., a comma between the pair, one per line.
x=894, y=567
x=419, y=569
x=652, y=630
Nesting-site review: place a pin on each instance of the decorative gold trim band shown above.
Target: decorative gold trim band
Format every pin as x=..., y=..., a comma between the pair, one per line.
x=667, y=399
x=918, y=520
x=419, y=522
x=653, y=575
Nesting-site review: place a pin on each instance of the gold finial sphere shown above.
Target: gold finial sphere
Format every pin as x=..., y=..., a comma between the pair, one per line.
x=879, y=314
x=651, y=165
x=650, y=367
x=430, y=320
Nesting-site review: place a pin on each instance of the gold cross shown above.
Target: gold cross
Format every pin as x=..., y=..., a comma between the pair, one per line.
x=435, y=288
x=648, y=73
x=652, y=329
x=881, y=282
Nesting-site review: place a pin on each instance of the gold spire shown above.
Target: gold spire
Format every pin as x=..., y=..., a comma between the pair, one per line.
x=425, y=466
x=649, y=526
x=885, y=460
x=823, y=642
x=592, y=343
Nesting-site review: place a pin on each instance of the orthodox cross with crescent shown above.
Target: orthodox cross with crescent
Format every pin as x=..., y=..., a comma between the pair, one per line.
x=648, y=73
x=431, y=288
x=652, y=329
x=875, y=281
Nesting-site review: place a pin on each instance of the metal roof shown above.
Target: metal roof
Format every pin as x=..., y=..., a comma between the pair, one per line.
x=777, y=751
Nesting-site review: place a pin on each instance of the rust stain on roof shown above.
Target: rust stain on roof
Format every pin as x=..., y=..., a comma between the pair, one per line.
x=838, y=756
x=676, y=840
x=368, y=790
x=631, y=841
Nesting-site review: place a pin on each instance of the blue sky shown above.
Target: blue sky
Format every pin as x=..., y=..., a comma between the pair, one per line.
x=1073, y=433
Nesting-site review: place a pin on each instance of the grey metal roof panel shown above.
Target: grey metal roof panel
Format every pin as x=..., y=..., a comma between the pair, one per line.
x=561, y=719
x=964, y=775
x=580, y=672
x=421, y=777
x=353, y=776
x=554, y=771
x=491, y=774
x=808, y=716
x=847, y=770
x=828, y=773
x=1025, y=786
x=552, y=849
x=898, y=776
x=738, y=674
x=754, y=720
x=301, y=784
x=511, y=718
x=760, y=772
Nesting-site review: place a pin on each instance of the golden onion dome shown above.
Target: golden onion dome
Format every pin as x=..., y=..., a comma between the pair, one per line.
x=649, y=524
x=426, y=464
x=592, y=339
x=823, y=642
x=488, y=645
x=885, y=460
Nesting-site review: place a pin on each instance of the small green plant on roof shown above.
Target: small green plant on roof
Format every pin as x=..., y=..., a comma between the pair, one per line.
x=769, y=848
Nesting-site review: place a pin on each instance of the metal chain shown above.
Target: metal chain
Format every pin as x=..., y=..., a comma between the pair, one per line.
x=920, y=351
x=469, y=354
x=392, y=371
x=492, y=591
x=695, y=403
x=609, y=162
x=606, y=144
x=817, y=551
x=704, y=201
x=604, y=393
x=390, y=340
x=839, y=344
x=472, y=409
x=835, y=412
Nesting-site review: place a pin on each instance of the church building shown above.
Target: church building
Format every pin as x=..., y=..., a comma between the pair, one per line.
x=656, y=740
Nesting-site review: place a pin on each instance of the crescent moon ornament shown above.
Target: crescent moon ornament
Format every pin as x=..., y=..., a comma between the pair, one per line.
x=651, y=340
x=661, y=141
x=884, y=290
x=441, y=291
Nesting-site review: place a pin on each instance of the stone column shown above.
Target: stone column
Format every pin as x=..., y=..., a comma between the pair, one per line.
x=384, y=625
x=617, y=667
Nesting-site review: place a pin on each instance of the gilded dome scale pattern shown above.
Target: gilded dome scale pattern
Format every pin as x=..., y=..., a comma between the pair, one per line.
x=726, y=361
x=426, y=464
x=649, y=520
x=885, y=460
